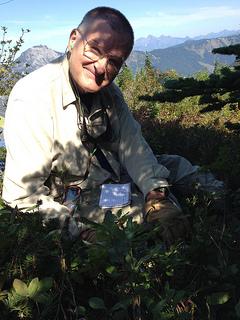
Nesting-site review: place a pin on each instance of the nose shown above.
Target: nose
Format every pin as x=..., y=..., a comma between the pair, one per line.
x=101, y=65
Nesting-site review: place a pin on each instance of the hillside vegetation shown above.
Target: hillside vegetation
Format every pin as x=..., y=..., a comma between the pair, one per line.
x=195, y=117
x=130, y=273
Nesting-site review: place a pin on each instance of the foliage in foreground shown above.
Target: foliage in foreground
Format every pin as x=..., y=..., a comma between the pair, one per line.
x=8, y=51
x=127, y=274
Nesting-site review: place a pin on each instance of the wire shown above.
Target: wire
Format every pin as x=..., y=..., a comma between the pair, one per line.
x=6, y=2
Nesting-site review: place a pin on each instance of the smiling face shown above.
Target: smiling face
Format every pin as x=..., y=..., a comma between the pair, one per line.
x=91, y=75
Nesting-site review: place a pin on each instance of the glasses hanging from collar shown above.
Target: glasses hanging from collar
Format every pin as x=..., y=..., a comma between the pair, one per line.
x=91, y=123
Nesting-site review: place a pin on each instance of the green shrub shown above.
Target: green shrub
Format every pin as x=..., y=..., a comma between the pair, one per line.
x=8, y=51
x=127, y=274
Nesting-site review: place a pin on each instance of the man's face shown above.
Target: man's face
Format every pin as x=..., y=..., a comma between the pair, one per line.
x=90, y=73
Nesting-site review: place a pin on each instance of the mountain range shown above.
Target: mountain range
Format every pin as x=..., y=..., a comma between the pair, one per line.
x=186, y=58
x=151, y=42
x=35, y=57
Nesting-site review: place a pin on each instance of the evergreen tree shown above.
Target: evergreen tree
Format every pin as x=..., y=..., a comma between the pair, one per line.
x=230, y=50
x=147, y=80
x=125, y=78
x=168, y=75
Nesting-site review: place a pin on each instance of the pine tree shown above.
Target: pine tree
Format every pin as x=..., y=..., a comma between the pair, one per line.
x=230, y=50
x=147, y=80
x=124, y=78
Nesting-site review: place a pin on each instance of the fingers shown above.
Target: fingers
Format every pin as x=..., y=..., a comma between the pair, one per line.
x=88, y=235
x=156, y=210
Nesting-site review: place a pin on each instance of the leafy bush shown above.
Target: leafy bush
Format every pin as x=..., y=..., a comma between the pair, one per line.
x=8, y=51
x=127, y=274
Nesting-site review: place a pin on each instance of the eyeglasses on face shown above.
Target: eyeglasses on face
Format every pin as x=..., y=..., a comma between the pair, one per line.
x=93, y=52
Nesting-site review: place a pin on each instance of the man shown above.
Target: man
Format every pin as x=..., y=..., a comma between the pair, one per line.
x=67, y=128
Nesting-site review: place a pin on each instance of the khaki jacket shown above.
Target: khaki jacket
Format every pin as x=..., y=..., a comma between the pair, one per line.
x=43, y=139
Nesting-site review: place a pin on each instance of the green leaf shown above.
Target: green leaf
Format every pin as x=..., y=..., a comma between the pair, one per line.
x=91, y=223
x=45, y=284
x=3, y=295
x=20, y=287
x=159, y=306
x=167, y=315
x=110, y=269
x=129, y=223
x=128, y=258
x=158, y=309
x=169, y=273
x=81, y=310
x=179, y=296
x=118, y=306
x=234, y=269
x=96, y=303
x=33, y=287
x=109, y=218
x=42, y=298
x=218, y=298
x=119, y=213
x=237, y=309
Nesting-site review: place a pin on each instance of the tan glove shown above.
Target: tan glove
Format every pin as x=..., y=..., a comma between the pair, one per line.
x=74, y=229
x=167, y=215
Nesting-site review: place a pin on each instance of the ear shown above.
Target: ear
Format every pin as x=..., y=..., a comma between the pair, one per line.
x=72, y=39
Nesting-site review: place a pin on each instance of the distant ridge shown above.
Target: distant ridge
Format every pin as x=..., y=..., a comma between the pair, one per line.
x=151, y=42
x=35, y=57
x=186, y=58
x=220, y=34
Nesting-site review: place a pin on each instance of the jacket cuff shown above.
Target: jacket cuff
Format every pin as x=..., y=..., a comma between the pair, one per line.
x=151, y=185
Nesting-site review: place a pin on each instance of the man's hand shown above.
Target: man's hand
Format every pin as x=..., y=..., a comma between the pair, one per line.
x=70, y=229
x=162, y=211
x=158, y=194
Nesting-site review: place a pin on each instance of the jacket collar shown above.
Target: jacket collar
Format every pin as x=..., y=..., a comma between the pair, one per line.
x=68, y=95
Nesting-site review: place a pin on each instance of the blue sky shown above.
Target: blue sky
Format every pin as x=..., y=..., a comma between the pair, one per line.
x=51, y=21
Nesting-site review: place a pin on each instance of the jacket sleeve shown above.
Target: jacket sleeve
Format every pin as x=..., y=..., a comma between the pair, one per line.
x=135, y=154
x=28, y=134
